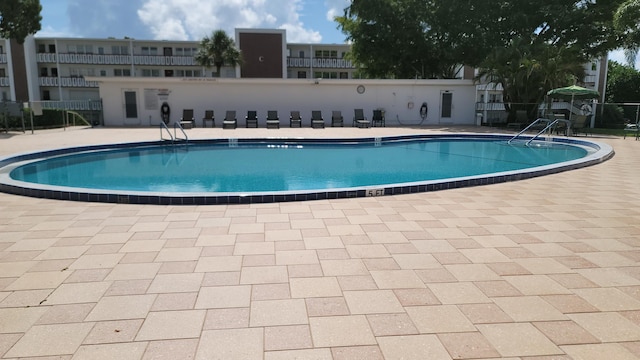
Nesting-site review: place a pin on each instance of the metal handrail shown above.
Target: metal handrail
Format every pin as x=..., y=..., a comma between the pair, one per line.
x=538, y=120
x=177, y=125
x=164, y=126
x=550, y=126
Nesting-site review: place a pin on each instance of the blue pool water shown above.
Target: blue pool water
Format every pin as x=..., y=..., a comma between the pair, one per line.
x=287, y=167
x=231, y=171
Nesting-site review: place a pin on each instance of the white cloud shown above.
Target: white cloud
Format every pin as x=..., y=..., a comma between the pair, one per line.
x=335, y=8
x=618, y=56
x=49, y=31
x=193, y=19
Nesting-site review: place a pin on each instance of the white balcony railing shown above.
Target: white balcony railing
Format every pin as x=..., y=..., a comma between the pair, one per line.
x=4, y=81
x=67, y=82
x=3, y=58
x=71, y=105
x=97, y=59
x=321, y=63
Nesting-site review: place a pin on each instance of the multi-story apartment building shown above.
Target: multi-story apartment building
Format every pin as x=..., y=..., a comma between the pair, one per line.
x=319, y=61
x=55, y=68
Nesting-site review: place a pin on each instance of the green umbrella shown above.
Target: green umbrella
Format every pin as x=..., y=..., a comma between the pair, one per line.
x=573, y=92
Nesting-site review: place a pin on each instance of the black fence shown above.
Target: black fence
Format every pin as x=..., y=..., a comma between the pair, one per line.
x=18, y=116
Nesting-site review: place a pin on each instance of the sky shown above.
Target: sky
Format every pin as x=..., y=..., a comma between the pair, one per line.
x=305, y=21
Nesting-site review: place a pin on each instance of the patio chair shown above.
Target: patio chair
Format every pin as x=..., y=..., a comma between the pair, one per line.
x=359, y=119
x=337, y=119
x=208, y=116
x=273, y=121
x=316, y=119
x=230, y=121
x=560, y=126
x=579, y=124
x=251, y=119
x=378, y=118
x=295, y=119
x=187, y=121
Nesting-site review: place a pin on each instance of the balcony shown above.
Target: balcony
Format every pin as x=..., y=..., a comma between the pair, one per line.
x=72, y=105
x=76, y=82
x=4, y=82
x=319, y=63
x=98, y=59
x=3, y=58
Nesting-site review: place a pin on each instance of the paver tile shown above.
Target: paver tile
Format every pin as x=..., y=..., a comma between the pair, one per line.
x=48, y=340
x=164, y=325
x=231, y=344
x=412, y=347
x=333, y=331
x=518, y=339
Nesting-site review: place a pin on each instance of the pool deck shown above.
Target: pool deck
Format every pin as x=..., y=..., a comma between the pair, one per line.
x=544, y=268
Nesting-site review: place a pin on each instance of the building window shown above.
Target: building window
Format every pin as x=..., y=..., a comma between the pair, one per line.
x=149, y=50
x=3, y=73
x=325, y=75
x=150, y=73
x=103, y=72
x=119, y=50
x=327, y=54
x=185, y=73
x=167, y=51
x=301, y=53
x=101, y=50
x=42, y=48
x=302, y=74
x=54, y=72
x=121, y=72
x=52, y=48
x=46, y=95
x=186, y=51
x=44, y=72
x=168, y=73
x=344, y=75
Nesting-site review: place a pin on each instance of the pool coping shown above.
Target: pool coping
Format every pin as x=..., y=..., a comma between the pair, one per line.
x=601, y=152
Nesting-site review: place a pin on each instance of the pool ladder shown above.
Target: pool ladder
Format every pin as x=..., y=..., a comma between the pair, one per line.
x=550, y=125
x=173, y=137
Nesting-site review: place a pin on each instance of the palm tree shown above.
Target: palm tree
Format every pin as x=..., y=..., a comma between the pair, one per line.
x=218, y=50
x=527, y=71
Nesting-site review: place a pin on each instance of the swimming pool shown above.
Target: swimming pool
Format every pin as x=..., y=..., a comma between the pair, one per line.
x=268, y=170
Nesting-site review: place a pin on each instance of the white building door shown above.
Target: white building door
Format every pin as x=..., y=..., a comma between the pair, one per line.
x=130, y=102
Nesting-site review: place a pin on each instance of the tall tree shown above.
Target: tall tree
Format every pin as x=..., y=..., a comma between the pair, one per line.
x=528, y=71
x=19, y=18
x=429, y=38
x=623, y=83
x=218, y=50
x=627, y=22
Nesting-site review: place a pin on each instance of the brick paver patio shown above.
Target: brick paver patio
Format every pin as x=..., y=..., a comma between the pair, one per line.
x=546, y=268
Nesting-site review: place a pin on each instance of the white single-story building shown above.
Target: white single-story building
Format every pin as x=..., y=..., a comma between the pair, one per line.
x=135, y=101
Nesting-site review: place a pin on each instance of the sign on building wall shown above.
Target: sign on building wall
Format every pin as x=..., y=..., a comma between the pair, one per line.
x=153, y=97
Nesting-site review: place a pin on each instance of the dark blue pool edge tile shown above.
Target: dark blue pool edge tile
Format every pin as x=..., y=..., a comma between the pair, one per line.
x=212, y=199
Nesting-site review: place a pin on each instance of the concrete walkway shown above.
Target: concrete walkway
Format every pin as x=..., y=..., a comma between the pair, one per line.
x=546, y=268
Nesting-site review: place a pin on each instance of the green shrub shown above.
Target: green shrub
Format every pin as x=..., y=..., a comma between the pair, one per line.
x=611, y=117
